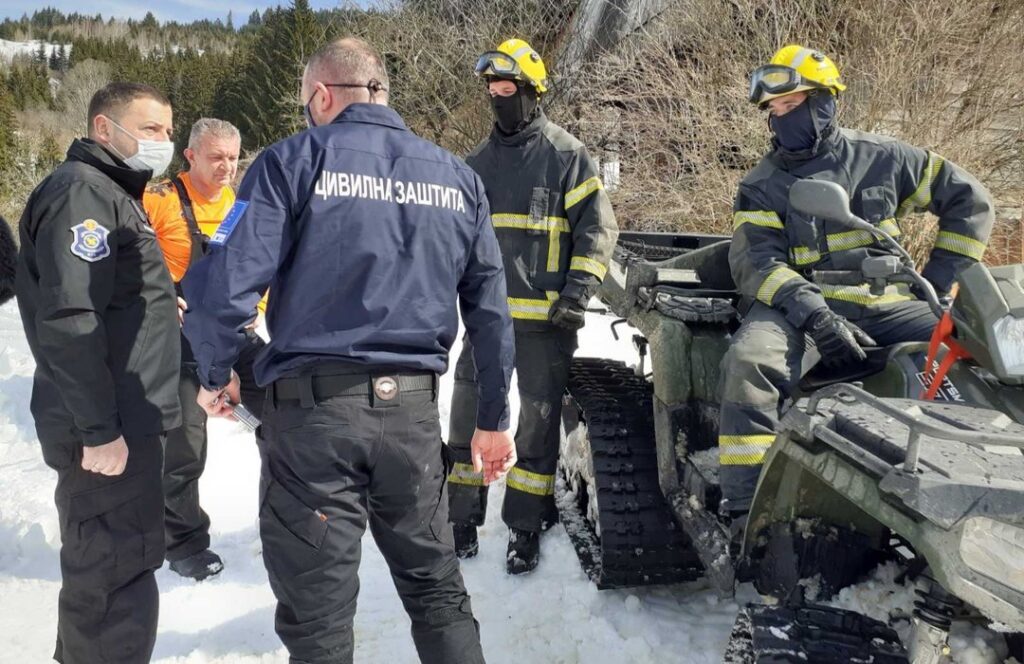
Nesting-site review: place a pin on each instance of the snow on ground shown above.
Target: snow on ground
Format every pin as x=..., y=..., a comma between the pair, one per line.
x=554, y=616
x=11, y=49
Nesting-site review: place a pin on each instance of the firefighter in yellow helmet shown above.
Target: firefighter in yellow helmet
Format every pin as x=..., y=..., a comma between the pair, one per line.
x=556, y=230
x=795, y=273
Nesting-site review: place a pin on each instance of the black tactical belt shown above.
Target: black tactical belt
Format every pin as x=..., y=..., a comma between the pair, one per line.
x=379, y=388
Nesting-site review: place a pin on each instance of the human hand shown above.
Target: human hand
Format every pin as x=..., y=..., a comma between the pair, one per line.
x=493, y=453
x=109, y=459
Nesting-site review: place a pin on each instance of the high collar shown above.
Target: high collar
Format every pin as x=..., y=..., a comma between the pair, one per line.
x=789, y=159
x=92, y=153
x=370, y=114
x=523, y=136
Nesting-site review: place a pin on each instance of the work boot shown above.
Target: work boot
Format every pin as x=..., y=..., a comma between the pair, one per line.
x=523, y=551
x=198, y=566
x=466, y=543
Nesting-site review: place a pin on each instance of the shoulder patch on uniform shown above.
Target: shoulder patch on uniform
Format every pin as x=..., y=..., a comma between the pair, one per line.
x=90, y=241
x=223, y=232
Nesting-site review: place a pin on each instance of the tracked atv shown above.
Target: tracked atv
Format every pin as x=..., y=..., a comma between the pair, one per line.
x=856, y=475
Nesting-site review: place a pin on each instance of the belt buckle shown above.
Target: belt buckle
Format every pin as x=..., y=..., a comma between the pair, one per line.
x=385, y=388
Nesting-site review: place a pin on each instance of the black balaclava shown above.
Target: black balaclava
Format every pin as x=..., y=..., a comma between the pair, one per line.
x=515, y=112
x=801, y=128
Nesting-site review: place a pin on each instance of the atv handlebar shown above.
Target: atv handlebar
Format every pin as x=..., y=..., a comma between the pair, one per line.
x=912, y=417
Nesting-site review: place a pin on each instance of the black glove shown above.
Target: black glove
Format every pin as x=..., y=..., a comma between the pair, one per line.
x=568, y=311
x=838, y=340
x=567, y=314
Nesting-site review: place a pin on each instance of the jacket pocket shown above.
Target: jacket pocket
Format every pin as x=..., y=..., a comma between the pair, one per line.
x=877, y=203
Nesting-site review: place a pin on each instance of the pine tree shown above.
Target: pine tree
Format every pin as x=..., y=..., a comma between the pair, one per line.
x=40, y=56
x=264, y=102
x=8, y=125
x=230, y=24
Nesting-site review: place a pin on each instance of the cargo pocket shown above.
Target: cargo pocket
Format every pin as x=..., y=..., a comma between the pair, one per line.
x=107, y=541
x=537, y=232
x=304, y=523
x=878, y=204
x=439, y=526
x=292, y=534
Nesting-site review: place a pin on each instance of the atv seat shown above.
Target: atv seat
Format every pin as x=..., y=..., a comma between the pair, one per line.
x=823, y=376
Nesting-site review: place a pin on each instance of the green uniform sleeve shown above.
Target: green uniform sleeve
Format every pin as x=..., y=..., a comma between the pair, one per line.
x=758, y=258
x=592, y=221
x=963, y=206
x=76, y=283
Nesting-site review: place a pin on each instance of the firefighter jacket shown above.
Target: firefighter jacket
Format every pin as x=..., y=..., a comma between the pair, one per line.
x=97, y=304
x=553, y=218
x=777, y=253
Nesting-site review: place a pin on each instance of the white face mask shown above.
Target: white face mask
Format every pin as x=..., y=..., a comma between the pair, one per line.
x=151, y=156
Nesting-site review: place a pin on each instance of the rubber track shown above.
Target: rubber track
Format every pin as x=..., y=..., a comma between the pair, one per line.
x=640, y=542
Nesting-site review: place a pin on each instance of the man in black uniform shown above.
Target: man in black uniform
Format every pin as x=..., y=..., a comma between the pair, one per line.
x=8, y=261
x=367, y=237
x=100, y=316
x=557, y=230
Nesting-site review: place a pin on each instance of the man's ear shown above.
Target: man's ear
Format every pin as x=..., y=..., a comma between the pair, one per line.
x=190, y=156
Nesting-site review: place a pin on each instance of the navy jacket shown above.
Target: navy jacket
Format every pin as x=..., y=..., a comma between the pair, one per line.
x=367, y=237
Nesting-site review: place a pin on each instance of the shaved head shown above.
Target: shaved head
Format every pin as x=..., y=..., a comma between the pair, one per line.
x=348, y=60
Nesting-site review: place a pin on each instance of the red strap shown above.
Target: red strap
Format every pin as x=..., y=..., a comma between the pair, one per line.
x=943, y=335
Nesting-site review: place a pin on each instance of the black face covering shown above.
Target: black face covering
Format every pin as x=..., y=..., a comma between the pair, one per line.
x=800, y=128
x=513, y=113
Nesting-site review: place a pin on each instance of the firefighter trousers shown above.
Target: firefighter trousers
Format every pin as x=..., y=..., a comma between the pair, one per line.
x=186, y=524
x=111, y=532
x=543, y=360
x=763, y=368
x=332, y=463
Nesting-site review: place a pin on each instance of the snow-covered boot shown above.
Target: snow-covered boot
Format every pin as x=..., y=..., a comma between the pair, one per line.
x=523, y=551
x=466, y=543
x=198, y=566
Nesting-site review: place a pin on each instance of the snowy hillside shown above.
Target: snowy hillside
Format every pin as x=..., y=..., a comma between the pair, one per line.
x=11, y=49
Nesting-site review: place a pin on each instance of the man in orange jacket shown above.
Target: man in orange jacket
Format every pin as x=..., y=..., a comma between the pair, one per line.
x=185, y=211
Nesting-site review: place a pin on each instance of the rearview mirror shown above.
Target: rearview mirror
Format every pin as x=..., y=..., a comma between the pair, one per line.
x=825, y=200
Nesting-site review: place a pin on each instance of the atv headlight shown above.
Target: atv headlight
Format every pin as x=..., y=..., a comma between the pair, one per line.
x=1008, y=333
x=994, y=549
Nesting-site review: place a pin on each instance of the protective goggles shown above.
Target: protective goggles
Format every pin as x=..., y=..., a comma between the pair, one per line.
x=495, y=63
x=776, y=80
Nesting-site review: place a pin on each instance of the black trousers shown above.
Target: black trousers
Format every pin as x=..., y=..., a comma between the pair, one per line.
x=543, y=361
x=331, y=466
x=186, y=524
x=762, y=369
x=111, y=531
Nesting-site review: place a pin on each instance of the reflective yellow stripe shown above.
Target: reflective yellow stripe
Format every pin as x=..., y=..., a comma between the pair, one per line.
x=523, y=222
x=579, y=193
x=530, y=309
x=744, y=450
x=585, y=264
x=803, y=255
x=960, y=244
x=463, y=473
x=854, y=239
x=862, y=294
x=527, y=482
x=555, y=226
x=771, y=285
x=765, y=218
x=554, y=249
x=922, y=196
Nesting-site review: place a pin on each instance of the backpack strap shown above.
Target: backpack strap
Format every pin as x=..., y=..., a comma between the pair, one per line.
x=199, y=241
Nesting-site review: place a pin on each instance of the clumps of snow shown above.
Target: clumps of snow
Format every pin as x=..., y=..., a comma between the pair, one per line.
x=882, y=598
x=12, y=49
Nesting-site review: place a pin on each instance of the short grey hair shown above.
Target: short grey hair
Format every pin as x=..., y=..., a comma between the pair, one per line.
x=349, y=60
x=204, y=127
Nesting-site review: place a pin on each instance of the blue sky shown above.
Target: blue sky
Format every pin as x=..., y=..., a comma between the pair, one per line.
x=165, y=10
